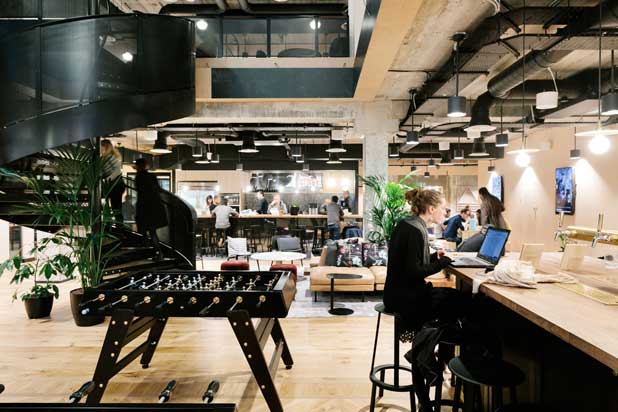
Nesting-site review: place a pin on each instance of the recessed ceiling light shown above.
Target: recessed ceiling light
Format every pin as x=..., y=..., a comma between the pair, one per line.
x=201, y=24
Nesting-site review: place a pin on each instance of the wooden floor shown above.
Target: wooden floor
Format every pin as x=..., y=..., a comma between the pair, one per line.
x=45, y=360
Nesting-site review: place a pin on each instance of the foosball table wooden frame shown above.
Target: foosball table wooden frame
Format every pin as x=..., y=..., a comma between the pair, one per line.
x=125, y=326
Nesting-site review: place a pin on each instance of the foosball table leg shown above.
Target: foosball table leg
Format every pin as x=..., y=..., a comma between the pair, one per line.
x=250, y=344
x=153, y=340
x=116, y=333
x=277, y=335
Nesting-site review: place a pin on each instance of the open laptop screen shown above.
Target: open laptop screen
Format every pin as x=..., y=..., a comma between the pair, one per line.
x=493, y=245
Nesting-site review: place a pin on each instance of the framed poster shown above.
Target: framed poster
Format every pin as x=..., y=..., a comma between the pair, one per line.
x=565, y=190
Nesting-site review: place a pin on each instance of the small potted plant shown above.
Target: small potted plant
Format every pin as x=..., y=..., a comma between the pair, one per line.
x=39, y=299
x=294, y=209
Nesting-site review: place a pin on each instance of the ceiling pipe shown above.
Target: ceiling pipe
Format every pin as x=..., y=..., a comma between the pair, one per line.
x=293, y=9
x=219, y=7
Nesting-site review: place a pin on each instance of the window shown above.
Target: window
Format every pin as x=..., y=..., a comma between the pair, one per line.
x=245, y=38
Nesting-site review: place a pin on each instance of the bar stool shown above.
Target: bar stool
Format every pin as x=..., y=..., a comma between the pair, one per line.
x=472, y=374
x=380, y=382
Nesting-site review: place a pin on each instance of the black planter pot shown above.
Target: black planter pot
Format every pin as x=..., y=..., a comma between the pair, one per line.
x=294, y=210
x=82, y=320
x=37, y=308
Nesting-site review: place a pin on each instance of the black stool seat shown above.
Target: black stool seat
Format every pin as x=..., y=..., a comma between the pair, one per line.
x=496, y=373
x=381, y=308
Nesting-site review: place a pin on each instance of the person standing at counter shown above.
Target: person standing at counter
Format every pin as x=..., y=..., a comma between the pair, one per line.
x=222, y=215
x=491, y=210
x=215, y=202
x=209, y=202
x=278, y=204
x=263, y=204
x=455, y=224
x=334, y=214
x=113, y=177
x=346, y=202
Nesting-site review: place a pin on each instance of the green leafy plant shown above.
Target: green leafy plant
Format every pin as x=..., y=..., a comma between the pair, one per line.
x=41, y=270
x=389, y=205
x=71, y=202
x=564, y=241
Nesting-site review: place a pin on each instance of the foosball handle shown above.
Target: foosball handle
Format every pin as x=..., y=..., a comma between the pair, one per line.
x=213, y=388
x=166, y=393
x=85, y=389
x=1, y=388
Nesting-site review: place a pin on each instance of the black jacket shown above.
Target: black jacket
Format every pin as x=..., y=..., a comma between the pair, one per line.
x=405, y=289
x=149, y=210
x=263, y=209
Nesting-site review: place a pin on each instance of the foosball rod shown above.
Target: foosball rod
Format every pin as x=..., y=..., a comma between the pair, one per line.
x=85, y=389
x=213, y=388
x=166, y=393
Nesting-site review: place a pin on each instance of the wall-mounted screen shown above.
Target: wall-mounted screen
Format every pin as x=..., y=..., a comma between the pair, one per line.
x=565, y=190
x=496, y=187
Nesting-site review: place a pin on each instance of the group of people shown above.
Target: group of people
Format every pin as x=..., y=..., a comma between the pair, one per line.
x=490, y=213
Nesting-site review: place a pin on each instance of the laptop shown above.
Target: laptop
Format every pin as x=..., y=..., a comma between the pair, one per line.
x=490, y=253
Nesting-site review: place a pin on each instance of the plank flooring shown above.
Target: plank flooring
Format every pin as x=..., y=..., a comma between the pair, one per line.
x=45, y=360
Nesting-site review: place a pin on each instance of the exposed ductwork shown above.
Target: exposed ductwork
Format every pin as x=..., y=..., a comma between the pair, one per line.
x=293, y=9
x=219, y=7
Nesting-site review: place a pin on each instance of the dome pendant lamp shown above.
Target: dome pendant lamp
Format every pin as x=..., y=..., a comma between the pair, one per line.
x=457, y=103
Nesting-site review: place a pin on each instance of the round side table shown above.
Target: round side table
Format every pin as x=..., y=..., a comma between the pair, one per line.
x=340, y=276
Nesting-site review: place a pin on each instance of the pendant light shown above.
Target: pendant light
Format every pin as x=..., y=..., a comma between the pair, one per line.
x=502, y=139
x=491, y=168
x=412, y=135
x=426, y=174
x=333, y=159
x=296, y=149
x=306, y=167
x=478, y=148
x=523, y=158
x=599, y=144
x=300, y=159
x=335, y=146
x=160, y=145
x=575, y=152
x=393, y=150
x=413, y=168
x=198, y=149
x=457, y=103
x=248, y=144
x=446, y=159
x=215, y=158
x=459, y=152
x=239, y=167
x=609, y=102
x=431, y=162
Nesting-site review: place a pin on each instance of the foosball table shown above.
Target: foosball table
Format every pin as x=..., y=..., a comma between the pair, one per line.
x=143, y=302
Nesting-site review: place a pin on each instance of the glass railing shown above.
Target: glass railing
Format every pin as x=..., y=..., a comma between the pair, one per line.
x=275, y=36
x=75, y=62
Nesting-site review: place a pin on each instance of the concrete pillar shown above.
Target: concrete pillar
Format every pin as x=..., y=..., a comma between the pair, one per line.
x=378, y=124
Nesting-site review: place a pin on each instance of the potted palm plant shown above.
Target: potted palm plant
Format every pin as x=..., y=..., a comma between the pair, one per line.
x=72, y=203
x=389, y=205
x=39, y=299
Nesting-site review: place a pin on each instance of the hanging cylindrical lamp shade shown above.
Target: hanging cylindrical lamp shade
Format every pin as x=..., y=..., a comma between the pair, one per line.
x=297, y=151
x=491, y=168
x=502, y=140
x=214, y=158
x=198, y=150
x=431, y=163
x=446, y=159
x=333, y=159
x=239, y=166
x=458, y=154
x=412, y=137
x=426, y=174
x=456, y=106
x=336, y=146
x=160, y=145
x=413, y=169
x=393, y=151
x=575, y=154
x=248, y=146
x=300, y=159
x=306, y=167
x=478, y=148
x=609, y=104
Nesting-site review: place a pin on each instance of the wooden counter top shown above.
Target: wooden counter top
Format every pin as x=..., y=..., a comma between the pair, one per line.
x=588, y=325
x=287, y=217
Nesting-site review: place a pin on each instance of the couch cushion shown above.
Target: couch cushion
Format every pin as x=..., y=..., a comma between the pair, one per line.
x=349, y=255
x=375, y=254
x=379, y=272
x=318, y=276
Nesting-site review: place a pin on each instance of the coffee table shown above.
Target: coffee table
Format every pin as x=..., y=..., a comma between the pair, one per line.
x=341, y=276
x=277, y=256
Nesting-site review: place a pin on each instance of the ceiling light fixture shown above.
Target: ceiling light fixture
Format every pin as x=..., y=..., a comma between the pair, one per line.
x=306, y=167
x=202, y=162
x=457, y=103
x=426, y=174
x=548, y=100
x=412, y=137
x=459, y=152
x=523, y=158
x=609, y=102
x=478, y=148
x=333, y=159
x=336, y=146
x=393, y=150
x=198, y=150
x=215, y=158
x=248, y=145
x=491, y=168
x=201, y=24
x=502, y=139
x=239, y=167
x=127, y=57
x=160, y=145
x=300, y=159
x=600, y=144
x=312, y=24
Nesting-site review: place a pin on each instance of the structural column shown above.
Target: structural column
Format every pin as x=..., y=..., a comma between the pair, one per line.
x=376, y=122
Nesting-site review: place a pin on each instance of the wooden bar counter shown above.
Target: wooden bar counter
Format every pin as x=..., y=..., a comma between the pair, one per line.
x=580, y=368
x=274, y=217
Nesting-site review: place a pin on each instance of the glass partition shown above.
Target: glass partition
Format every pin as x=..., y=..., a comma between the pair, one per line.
x=245, y=38
x=333, y=39
x=294, y=37
x=207, y=37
